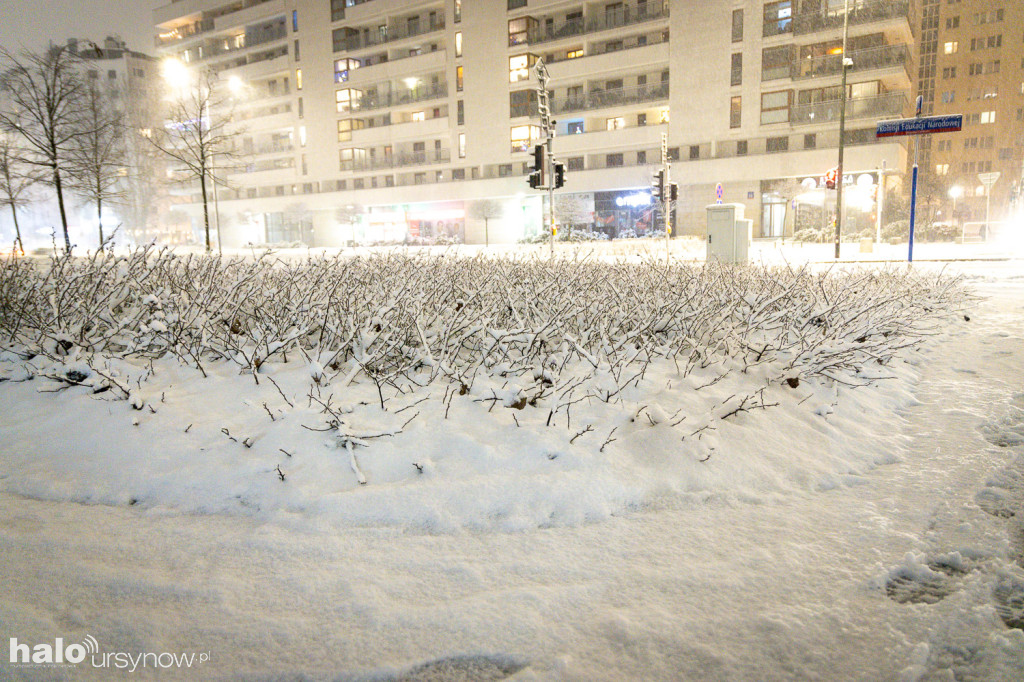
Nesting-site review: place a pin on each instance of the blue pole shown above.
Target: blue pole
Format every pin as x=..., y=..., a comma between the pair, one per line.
x=913, y=212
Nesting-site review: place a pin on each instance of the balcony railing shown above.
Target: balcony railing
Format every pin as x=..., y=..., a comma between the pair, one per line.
x=370, y=102
x=602, y=22
x=388, y=35
x=866, y=12
x=831, y=65
x=598, y=98
x=182, y=32
x=891, y=104
x=401, y=160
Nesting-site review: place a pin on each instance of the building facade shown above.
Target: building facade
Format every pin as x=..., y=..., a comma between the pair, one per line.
x=973, y=64
x=379, y=120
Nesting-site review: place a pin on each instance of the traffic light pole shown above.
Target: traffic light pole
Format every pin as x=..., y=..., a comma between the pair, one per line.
x=666, y=193
x=544, y=107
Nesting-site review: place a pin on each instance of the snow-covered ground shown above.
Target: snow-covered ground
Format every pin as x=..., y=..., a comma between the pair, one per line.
x=848, y=533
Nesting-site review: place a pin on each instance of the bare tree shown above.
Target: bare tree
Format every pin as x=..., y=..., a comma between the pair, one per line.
x=485, y=210
x=98, y=154
x=46, y=95
x=197, y=134
x=15, y=181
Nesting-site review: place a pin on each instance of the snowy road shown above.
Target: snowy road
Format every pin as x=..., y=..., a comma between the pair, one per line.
x=824, y=585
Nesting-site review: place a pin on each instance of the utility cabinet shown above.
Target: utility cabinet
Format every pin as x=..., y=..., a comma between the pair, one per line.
x=729, y=235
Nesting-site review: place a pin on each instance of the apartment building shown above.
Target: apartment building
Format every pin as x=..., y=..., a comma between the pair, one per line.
x=976, y=68
x=132, y=80
x=378, y=120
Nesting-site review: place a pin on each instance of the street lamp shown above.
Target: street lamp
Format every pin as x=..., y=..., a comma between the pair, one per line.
x=955, y=192
x=846, y=62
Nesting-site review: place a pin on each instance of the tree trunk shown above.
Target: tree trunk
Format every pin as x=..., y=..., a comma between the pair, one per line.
x=17, y=230
x=99, y=216
x=63, y=213
x=206, y=210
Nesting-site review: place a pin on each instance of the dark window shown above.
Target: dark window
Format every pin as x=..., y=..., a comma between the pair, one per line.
x=613, y=160
x=741, y=148
x=736, y=73
x=777, y=144
x=641, y=158
x=737, y=25
x=810, y=141
x=694, y=151
x=574, y=163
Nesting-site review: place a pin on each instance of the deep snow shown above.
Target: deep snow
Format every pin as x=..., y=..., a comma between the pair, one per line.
x=868, y=537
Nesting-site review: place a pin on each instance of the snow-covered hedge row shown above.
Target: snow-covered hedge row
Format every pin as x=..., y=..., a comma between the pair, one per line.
x=406, y=321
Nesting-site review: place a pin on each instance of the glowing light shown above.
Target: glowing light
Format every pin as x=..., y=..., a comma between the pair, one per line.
x=175, y=73
x=235, y=85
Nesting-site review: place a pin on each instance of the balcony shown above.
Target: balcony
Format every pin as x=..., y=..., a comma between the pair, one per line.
x=402, y=160
x=883, y=57
x=369, y=102
x=890, y=105
x=185, y=32
x=389, y=35
x=868, y=12
x=602, y=99
x=604, y=22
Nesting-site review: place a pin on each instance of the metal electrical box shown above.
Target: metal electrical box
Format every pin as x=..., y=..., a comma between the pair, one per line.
x=729, y=234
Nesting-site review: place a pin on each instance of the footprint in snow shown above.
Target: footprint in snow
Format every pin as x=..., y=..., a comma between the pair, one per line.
x=943, y=579
x=460, y=669
x=1009, y=602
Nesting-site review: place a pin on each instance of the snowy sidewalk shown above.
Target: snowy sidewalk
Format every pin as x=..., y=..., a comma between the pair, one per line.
x=815, y=585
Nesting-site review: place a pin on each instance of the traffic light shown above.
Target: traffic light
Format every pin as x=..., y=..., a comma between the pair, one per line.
x=559, y=175
x=831, y=177
x=538, y=157
x=536, y=178
x=674, y=191
x=658, y=186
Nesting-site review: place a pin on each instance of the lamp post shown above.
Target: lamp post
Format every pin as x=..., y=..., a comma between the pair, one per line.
x=955, y=192
x=842, y=125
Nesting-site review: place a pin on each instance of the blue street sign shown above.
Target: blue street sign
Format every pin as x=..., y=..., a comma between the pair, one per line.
x=919, y=126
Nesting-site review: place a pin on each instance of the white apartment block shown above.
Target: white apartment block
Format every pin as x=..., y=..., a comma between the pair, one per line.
x=380, y=120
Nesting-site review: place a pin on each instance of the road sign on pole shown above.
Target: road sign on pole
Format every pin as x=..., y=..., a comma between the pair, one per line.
x=988, y=179
x=919, y=125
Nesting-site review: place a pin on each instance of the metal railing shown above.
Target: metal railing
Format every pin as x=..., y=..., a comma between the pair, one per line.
x=369, y=102
x=598, y=98
x=866, y=12
x=401, y=160
x=388, y=35
x=831, y=65
x=889, y=104
x=602, y=22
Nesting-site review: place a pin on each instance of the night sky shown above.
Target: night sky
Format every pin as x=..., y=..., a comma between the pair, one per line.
x=33, y=23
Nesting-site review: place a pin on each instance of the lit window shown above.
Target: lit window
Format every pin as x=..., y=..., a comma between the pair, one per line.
x=298, y=79
x=347, y=100
x=519, y=67
x=522, y=136
x=462, y=145
x=988, y=117
x=663, y=117
x=458, y=78
x=616, y=123
x=942, y=169
x=342, y=67
x=574, y=54
x=419, y=116
x=950, y=47
x=458, y=44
